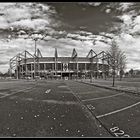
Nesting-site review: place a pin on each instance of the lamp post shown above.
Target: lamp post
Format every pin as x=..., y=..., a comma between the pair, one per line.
x=114, y=68
x=35, y=59
x=35, y=36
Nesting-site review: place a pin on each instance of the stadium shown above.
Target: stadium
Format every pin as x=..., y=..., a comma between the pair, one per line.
x=26, y=65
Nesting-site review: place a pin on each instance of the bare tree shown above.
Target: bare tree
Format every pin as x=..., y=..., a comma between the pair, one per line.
x=122, y=64
x=117, y=60
x=131, y=71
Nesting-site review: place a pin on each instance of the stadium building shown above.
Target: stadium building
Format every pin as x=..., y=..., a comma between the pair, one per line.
x=36, y=66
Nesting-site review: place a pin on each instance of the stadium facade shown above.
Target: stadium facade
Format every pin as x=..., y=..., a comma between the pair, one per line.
x=27, y=65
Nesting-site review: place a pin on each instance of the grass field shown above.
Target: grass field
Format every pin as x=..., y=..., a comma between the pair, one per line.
x=135, y=82
x=127, y=84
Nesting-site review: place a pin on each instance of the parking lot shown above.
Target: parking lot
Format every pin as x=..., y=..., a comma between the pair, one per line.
x=66, y=108
x=118, y=112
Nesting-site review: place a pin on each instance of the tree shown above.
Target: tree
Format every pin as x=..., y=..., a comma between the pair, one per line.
x=121, y=72
x=131, y=71
x=122, y=64
x=116, y=60
x=126, y=74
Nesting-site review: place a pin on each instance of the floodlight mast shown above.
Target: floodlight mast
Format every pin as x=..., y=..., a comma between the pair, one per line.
x=35, y=59
x=35, y=46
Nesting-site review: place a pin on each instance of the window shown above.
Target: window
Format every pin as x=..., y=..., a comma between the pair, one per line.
x=81, y=66
x=49, y=66
x=72, y=66
x=59, y=66
x=41, y=66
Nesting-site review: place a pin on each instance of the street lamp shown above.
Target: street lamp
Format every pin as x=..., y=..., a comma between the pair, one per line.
x=35, y=36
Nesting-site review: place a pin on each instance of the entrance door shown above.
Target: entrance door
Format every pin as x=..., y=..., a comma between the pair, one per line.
x=66, y=75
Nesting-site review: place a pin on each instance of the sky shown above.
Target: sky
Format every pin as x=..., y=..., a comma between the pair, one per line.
x=79, y=25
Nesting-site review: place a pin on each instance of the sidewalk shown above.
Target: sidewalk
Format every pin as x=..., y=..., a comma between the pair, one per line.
x=130, y=87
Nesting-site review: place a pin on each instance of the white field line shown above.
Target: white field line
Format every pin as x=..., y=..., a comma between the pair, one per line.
x=15, y=92
x=60, y=102
x=119, y=110
x=62, y=86
x=89, y=92
x=51, y=101
x=1, y=93
x=47, y=91
x=65, y=91
x=103, y=97
x=27, y=99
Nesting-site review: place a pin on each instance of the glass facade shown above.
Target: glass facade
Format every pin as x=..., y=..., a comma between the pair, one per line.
x=41, y=66
x=59, y=66
x=50, y=66
x=81, y=66
x=72, y=66
x=63, y=68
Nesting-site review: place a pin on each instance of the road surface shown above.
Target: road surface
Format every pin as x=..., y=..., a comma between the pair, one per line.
x=58, y=108
x=118, y=112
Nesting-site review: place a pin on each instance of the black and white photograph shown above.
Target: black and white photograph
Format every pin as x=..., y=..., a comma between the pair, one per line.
x=70, y=69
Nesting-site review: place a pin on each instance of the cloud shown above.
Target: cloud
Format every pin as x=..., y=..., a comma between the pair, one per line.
x=3, y=62
x=37, y=24
x=108, y=10
x=30, y=15
x=13, y=14
x=124, y=6
x=3, y=23
x=94, y=3
x=126, y=19
x=128, y=37
x=4, y=68
x=39, y=16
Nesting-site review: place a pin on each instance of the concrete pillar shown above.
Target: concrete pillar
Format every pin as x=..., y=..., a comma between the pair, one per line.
x=53, y=67
x=85, y=69
x=85, y=66
x=97, y=66
x=22, y=70
x=39, y=69
x=26, y=69
x=61, y=69
x=31, y=70
x=77, y=69
x=44, y=67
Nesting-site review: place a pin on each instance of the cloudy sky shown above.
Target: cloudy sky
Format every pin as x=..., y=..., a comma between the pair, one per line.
x=83, y=26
